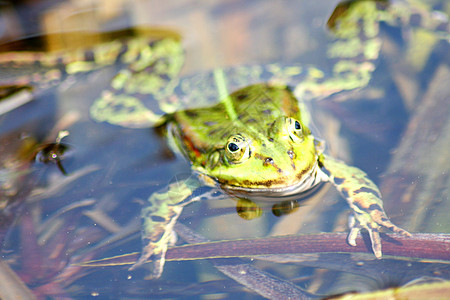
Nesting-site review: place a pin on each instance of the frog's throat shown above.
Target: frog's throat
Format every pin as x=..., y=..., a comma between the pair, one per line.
x=310, y=179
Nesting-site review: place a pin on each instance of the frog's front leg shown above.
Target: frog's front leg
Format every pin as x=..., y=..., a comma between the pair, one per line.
x=158, y=219
x=364, y=199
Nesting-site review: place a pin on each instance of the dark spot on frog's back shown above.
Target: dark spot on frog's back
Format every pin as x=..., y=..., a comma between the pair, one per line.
x=191, y=113
x=267, y=111
x=250, y=121
x=242, y=96
x=210, y=123
x=217, y=108
x=214, y=131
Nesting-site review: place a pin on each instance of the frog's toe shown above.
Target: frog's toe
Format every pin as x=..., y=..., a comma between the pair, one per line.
x=372, y=227
x=378, y=218
x=147, y=251
x=354, y=230
x=384, y=221
x=158, y=266
x=351, y=239
x=403, y=232
x=158, y=255
x=396, y=229
x=375, y=240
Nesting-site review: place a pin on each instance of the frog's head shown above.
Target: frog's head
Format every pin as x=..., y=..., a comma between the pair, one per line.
x=277, y=159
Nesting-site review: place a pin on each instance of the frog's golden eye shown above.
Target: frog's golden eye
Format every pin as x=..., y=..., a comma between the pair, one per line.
x=237, y=149
x=295, y=130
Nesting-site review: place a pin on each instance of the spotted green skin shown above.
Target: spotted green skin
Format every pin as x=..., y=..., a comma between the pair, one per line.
x=261, y=117
x=275, y=157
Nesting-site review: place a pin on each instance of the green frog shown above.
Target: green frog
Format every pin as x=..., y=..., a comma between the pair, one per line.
x=256, y=141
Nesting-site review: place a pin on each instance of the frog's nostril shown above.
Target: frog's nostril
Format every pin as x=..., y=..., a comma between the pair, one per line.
x=268, y=161
x=291, y=154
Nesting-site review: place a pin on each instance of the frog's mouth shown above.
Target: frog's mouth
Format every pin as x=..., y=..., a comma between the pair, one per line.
x=311, y=179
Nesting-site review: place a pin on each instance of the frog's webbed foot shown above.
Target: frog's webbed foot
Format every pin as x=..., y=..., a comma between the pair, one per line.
x=157, y=252
x=372, y=226
x=150, y=72
x=158, y=219
x=364, y=199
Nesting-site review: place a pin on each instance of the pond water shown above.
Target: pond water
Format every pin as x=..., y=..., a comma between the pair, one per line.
x=51, y=221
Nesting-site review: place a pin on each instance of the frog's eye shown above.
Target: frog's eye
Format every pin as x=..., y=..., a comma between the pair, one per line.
x=237, y=149
x=295, y=129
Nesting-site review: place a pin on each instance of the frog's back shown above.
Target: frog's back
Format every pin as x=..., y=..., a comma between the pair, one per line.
x=255, y=108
